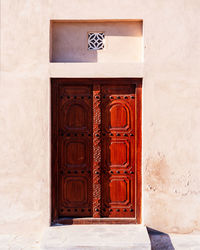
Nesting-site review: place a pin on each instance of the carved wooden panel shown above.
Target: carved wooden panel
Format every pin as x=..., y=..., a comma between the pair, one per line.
x=118, y=151
x=75, y=151
x=96, y=149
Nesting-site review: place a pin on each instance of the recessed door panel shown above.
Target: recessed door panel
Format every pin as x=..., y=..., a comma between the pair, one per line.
x=114, y=159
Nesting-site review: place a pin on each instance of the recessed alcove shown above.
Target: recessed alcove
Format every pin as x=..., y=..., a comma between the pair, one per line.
x=123, y=41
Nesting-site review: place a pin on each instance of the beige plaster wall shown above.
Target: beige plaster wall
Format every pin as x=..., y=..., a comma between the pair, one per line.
x=24, y=119
x=171, y=110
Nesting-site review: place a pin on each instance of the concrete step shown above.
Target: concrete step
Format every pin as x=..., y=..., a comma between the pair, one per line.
x=98, y=237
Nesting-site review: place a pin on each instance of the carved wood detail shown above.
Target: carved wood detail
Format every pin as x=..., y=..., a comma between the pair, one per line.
x=96, y=150
x=74, y=116
x=118, y=151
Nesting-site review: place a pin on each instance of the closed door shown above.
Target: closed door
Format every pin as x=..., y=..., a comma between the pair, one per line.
x=95, y=148
x=118, y=151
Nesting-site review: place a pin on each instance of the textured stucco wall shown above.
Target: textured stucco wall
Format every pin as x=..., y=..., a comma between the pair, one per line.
x=171, y=110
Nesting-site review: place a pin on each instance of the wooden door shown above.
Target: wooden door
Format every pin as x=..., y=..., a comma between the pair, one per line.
x=118, y=151
x=96, y=150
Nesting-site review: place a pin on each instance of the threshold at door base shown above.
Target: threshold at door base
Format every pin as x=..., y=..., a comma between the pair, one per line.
x=70, y=221
x=98, y=237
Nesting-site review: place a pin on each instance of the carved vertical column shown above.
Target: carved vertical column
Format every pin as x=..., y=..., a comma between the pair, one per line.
x=96, y=150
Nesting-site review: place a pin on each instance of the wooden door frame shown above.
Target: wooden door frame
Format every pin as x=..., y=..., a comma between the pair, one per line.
x=138, y=153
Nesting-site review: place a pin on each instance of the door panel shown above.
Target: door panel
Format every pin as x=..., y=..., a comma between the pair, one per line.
x=75, y=151
x=96, y=149
x=118, y=127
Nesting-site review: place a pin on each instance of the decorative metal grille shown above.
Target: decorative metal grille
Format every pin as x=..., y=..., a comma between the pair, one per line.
x=96, y=40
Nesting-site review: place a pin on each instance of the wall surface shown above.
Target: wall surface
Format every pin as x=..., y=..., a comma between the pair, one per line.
x=123, y=42
x=171, y=110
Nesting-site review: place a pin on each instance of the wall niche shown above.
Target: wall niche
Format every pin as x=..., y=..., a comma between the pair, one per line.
x=119, y=41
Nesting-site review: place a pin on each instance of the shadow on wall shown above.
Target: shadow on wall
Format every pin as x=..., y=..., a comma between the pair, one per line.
x=69, y=41
x=159, y=240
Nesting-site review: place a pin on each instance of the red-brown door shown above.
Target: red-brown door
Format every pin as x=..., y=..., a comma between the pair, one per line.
x=96, y=149
x=118, y=151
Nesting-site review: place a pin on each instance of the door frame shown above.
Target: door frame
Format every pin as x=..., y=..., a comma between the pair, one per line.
x=138, y=153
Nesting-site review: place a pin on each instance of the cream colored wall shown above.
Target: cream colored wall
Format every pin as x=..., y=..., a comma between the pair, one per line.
x=171, y=109
x=24, y=119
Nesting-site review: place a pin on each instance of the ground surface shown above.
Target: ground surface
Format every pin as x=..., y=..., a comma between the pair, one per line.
x=158, y=240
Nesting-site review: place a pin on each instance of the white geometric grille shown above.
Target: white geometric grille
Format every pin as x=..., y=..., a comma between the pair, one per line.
x=96, y=40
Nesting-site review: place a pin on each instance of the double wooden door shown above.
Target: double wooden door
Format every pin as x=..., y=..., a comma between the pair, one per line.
x=96, y=148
